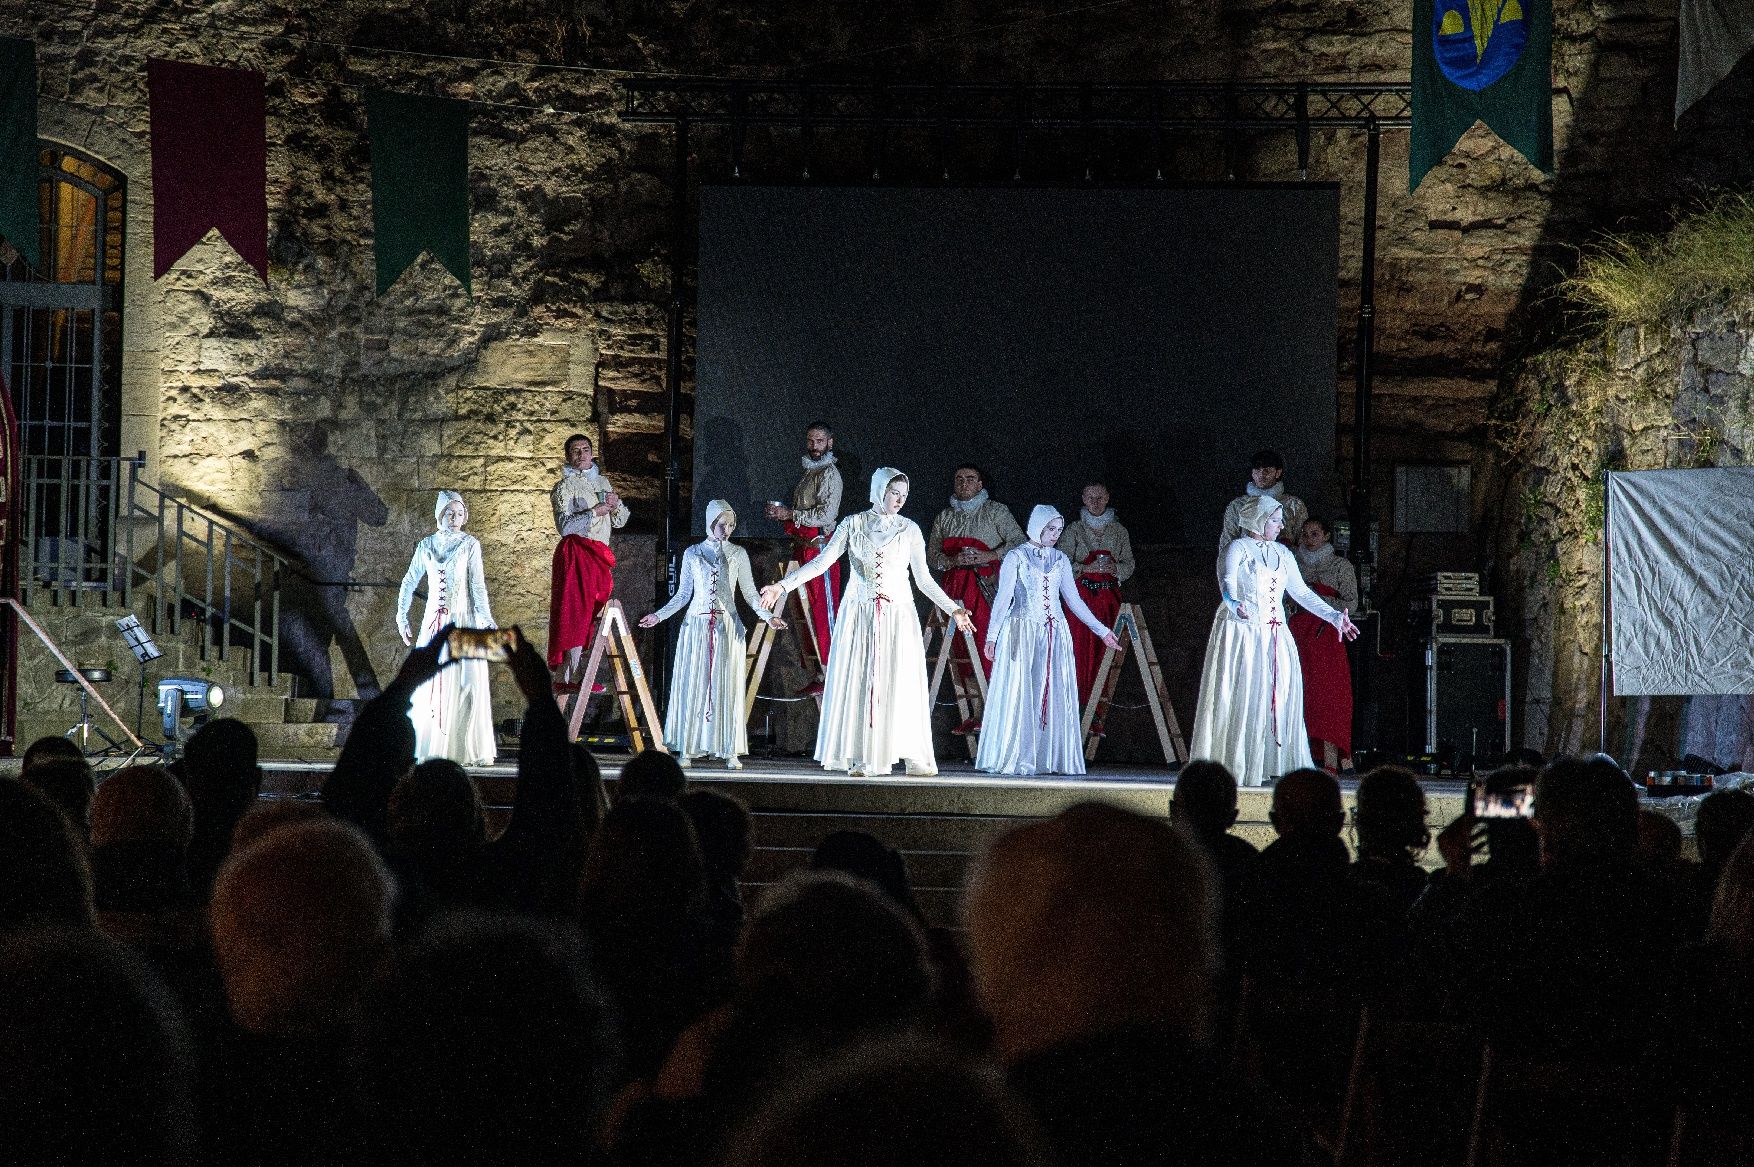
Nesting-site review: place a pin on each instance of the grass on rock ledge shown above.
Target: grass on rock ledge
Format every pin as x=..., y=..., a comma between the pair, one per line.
x=1641, y=279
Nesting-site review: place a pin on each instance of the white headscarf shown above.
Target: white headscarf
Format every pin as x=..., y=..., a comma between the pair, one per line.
x=880, y=480
x=717, y=509
x=445, y=539
x=1258, y=511
x=1039, y=518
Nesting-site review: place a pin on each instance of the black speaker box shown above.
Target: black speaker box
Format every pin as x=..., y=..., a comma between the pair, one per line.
x=1466, y=697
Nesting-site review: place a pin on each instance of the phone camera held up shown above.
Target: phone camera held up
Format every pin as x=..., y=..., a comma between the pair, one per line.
x=1495, y=797
x=488, y=644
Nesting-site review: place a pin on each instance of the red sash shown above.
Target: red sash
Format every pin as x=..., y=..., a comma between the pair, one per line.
x=963, y=584
x=821, y=593
x=584, y=576
x=1327, y=677
x=1101, y=592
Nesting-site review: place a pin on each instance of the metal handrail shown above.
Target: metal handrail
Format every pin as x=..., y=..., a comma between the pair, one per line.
x=98, y=534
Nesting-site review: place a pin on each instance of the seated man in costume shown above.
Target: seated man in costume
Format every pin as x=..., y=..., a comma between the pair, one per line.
x=1266, y=469
x=1102, y=560
x=810, y=521
x=969, y=538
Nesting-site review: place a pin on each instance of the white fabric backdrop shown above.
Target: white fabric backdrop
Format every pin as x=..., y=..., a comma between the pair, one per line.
x=1681, y=581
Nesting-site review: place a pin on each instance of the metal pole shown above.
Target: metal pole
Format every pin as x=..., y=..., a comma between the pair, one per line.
x=675, y=524
x=1607, y=652
x=1361, y=508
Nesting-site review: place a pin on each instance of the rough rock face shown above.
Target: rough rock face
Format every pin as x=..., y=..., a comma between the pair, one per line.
x=1675, y=396
x=325, y=417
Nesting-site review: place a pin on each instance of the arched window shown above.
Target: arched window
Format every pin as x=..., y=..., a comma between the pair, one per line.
x=61, y=326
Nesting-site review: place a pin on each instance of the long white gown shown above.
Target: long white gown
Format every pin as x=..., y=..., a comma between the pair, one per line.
x=875, y=708
x=1250, y=712
x=706, y=693
x=453, y=712
x=1031, y=723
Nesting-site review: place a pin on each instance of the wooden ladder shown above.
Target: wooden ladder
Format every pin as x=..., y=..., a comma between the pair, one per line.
x=971, y=698
x=614, y=639
x=1130, y=629
x=761, y=639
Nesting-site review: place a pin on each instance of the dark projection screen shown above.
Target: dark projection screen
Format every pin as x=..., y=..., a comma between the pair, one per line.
x=1152, y=339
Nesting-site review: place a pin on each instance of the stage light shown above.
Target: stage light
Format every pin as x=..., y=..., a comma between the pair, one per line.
x=180, y=697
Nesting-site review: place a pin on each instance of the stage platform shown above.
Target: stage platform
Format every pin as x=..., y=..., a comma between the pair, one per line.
x=939, y=824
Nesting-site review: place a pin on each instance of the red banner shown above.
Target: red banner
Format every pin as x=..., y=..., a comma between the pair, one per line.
x=209, y=161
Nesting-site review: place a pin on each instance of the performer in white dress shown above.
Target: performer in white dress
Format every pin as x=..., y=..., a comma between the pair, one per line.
x=453, y=712
x=875, y=708
x=1031, y=722
x=706, y=695
x=1250, y=712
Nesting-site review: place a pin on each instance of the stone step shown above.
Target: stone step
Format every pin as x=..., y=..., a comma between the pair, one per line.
x=286, y=739
x=257, y=707
x=303, y=709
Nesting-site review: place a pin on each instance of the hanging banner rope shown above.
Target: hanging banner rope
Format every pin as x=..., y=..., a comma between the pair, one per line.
x=420, y=182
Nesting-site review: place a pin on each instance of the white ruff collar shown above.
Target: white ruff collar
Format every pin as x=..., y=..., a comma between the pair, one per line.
x=817, y=463
x=973, y=504
x=1277, y=490
x=1317, y=557
x=444, y=542
x=1096, y=522
x=569, y=472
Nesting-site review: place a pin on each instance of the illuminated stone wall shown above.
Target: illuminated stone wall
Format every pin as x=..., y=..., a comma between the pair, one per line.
x=325, y=417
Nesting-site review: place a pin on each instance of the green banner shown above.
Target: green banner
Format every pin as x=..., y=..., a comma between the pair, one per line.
x=19, y=213
x=1481, y=60
x=420, y=182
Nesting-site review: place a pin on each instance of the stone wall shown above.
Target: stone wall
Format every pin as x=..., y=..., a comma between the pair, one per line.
x=325, y=417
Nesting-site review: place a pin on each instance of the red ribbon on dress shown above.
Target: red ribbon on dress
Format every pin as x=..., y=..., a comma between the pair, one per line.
x=1047, y=604
x=712, y=642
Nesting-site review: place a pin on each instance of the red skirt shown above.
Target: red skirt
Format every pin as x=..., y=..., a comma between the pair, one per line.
x=1102, y=595
x=963, y=584
x=584, y=576
x=1327, y=677
x=821, y=593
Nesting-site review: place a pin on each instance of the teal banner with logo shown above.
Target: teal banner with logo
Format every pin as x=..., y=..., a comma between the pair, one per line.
x=1481, y=60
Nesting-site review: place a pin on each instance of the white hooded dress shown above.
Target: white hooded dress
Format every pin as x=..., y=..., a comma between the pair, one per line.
x=706, y=691
x=453, y=712
x=875, y=708
x=1250, y=712
x=1031, y=722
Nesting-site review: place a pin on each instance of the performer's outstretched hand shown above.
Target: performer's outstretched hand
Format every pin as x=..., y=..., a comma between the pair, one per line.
x=407, y=635
x=987, y=650
x=1114, y=642
x=963, y=620
x=1242, y=611
x=777, y=624
x=771, y=595
x=1348, y=630
x=423, y=663
x=649, y=620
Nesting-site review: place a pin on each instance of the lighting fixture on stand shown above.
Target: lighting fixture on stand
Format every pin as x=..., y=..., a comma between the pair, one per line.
x=180, y=697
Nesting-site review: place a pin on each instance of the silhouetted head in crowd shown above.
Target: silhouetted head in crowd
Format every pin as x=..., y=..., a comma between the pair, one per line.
x=220, y=764
x=1390, y=816
x=1524, y=756
x=45, y=748
x=1732, y=908
x=643, y=867
x=1306, y=804
x=265, y=817
x=43, y=874
x=1660, y=840
x=651, y=774
x=1723, y=820
x=836, y=951
x=891, y=1104
x=867, y=857
x=142, y=804
x=1205, y=798
x=485, y=1042
x=436, y=810
x=301, y=919
x=69, y=784
x=722, y=828
x=1586, y=810
x=95, y=1066
x=1095, y=919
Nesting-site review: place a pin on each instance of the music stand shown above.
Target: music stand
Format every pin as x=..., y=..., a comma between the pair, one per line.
x=141, y=644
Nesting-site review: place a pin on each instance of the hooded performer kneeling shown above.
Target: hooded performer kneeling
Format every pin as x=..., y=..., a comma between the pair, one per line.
x=706, y=695
x=1250, y=713
x=1031, y=723
x=875, y=707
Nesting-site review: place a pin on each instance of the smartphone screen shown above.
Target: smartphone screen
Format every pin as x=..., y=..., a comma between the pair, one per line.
x=1512, y=801
x=488, y=644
